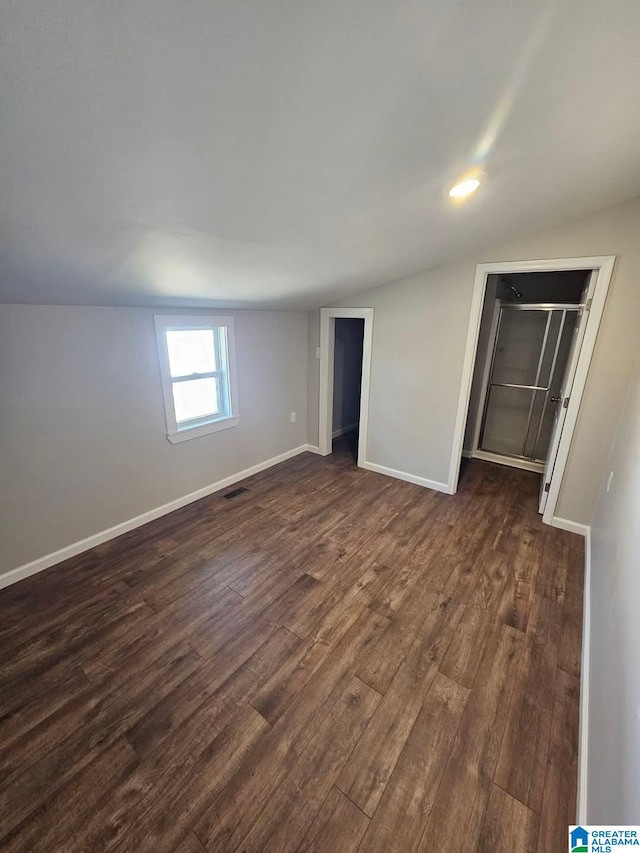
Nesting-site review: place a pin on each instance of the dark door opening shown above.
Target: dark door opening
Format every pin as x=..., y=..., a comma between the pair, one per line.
x=347, y=382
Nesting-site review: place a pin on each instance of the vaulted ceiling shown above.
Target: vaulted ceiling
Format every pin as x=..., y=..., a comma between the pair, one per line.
x=276, y=153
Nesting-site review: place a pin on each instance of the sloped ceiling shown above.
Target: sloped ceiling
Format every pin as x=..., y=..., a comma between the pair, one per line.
x=276, y=153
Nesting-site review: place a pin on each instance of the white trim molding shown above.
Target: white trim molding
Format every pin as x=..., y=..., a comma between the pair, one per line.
x=602, y=265
x=328, y=317
x=583, y=736
x=408, y=478
x=42, y=563
x=510, y=461
x=571, y=526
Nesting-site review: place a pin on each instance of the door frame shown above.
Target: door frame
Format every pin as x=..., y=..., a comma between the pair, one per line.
x=603, y=267
x=328, y=318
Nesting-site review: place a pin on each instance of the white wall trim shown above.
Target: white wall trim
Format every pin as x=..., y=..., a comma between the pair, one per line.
x=510, y=461
x=327, y=340
x=408, y=478
x=583, y=736
x=603, y=265
x=344, y=430
x=311, y=448
x=42, y=563
x=571, y=526
x=604, y=270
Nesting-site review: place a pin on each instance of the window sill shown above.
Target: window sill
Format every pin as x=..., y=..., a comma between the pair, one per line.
x=204, y=429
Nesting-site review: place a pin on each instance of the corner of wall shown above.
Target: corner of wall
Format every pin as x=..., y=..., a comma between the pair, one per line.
x=583, y=736
x=313, y=377
x=72, y=550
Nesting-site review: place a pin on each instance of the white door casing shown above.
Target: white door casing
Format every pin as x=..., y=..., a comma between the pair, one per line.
x=328, y=317
x=565, y=393
x=602, y=267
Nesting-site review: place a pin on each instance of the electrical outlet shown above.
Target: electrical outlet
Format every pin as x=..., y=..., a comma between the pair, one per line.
x=293, y=417
x=609, y=480
x=317, y=352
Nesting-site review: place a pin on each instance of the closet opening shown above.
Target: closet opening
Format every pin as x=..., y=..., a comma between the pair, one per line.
x=346, y=336
x=347, y=381
x=529, y=322
x=532, y=331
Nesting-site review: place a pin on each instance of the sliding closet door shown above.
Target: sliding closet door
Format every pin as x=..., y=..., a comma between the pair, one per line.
x=531, y=345
x=517, y=350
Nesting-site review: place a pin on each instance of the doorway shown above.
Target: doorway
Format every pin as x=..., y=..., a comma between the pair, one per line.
x=531, y=335
x=526, y=332
x=347, y=381
x=346, y=336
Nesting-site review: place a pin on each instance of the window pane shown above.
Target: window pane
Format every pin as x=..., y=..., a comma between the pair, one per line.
x=191, y=351
x=196, y=398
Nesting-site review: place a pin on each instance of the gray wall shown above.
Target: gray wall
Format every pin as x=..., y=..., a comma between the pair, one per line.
x=313, y=378
x=419, y=337
x=484, y=340
x=565, y=286
x=83, y=441
x=614, y=700
x=347, y=372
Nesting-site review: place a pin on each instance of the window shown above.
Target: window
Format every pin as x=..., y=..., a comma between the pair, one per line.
x=197, y=366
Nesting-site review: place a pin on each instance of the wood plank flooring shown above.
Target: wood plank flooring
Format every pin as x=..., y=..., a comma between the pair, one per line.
x=331, y=661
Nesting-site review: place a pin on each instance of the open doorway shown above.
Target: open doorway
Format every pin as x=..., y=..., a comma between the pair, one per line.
x=347, y=381
x=528, y=324
x=346, y=336
x=531, y=336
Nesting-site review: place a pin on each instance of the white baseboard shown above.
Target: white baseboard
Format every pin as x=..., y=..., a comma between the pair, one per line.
x=311, y=448
x=571, y=526
x=583, y=737
x=42, y=563
x=509, y=461
x=467, y=454
x=344, y=430
x=408, y=478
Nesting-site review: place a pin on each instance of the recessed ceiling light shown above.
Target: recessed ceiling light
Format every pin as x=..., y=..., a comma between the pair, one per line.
x=464, y=188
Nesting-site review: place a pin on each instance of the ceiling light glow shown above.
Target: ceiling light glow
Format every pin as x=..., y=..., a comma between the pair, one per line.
x=464, y=188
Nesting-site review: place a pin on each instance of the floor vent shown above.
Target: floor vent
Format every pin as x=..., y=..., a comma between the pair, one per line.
x=234, y=493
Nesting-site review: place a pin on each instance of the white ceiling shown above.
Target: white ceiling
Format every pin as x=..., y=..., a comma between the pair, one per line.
x=286, y=152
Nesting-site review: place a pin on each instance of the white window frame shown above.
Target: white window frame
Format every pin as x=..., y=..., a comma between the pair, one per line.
x=164, y=323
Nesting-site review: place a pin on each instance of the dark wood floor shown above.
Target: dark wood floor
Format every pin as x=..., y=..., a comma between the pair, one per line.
x=333, y=660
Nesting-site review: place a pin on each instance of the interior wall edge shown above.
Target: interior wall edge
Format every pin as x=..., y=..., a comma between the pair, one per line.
x=48, y=560
x=583, y=735
x=408, y=478
x=571, y=526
